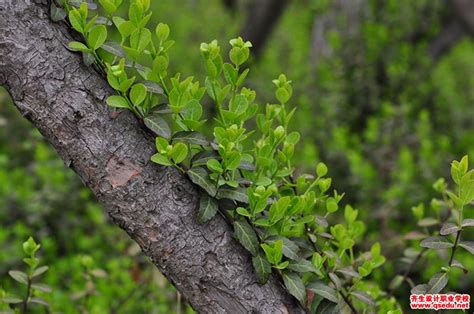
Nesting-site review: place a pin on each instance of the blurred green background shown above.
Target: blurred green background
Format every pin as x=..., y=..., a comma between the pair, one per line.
x=381, y=99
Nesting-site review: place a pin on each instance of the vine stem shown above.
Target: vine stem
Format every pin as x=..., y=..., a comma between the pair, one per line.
x=453, y=250
x=409, y=269
x=343, y=295
x=27, y=296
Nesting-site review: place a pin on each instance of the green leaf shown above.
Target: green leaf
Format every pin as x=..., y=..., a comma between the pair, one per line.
x=109, y=6
x=140, y=38
x=161, y=160
x=125, y=28
x=467, y=245
x=19, y=276
x=41, y=287
x=191, y=137
x=246, y=236
x=239, y=105
x=138, y=94
x=76, y=20
x=290, y=249
x=449, y=228
x=364, y=297
x=158, y=125
x=302, y=266
x=207, y=208
x=78, y=46
x=242, y=211
x=117, y=102
x=179, y=152
x=321, y=169
x=437, y=283
x=199, y=176
x=262, y=268
x=97, y=36
x=193, y=110
x=436, y=242
x=295, y=286
x=39, y=271
x=162, y=31
x=322, y=289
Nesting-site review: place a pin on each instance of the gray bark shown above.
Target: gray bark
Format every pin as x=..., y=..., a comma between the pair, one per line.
x=155, y=205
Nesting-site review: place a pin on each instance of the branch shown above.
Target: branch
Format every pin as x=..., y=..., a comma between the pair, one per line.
x=156, y=206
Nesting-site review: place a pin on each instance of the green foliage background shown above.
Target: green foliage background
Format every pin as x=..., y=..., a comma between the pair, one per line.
x=384, y=116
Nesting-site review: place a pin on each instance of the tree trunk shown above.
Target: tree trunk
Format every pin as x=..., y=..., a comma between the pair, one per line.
x=155, y=205
x=261, y=18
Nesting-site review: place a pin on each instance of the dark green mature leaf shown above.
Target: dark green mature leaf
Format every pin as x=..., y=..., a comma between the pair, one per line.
x=39, y=301
x=88, y=58
x=295, y=286
x=349, y=272
x=201, y=158
x=467, y=245
x=420, y=289
x=322, y=289
x=458, y=264
x=246, y=236
x=114, y=48
x=437, y=282
x=327, y=307
x=158, y=125
x=41, y=287
x=57, y=14
x=153, y=87
x=364, y=297
x=436, y=242
x=245, y=165
x=262, y=268
x=302, y=266
x=11, y=300
x=191, y=137
x=467, y=222
x=207, y=208
x=19, y=276
x=290, y=248
x=449, y=228
x=199, y=176
x=237, y=194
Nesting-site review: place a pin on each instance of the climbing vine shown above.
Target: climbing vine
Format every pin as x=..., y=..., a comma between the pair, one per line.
x=244, y=168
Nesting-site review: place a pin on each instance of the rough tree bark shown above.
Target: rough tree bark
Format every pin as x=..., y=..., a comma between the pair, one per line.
x=156, y=206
